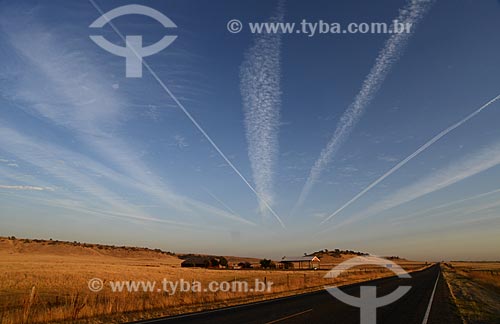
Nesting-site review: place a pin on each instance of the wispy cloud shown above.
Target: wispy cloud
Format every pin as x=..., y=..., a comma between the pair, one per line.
x=469, y=210
x=226, y=206
x=466, y=167
x=394, y=46
x=76, y=96
x=9, y=163
x=180, y=142
x=78, y=206
x=387, y=158
x=412, y=156
x=261, y=94
x=194, y=122
x=66, y=167
x=30, y=188
x=89, y=178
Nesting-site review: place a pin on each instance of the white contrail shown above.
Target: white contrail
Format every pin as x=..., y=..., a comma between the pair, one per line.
x=448, y=204
x=191, y=118
x=75, y=96
x=413, y=155
x=260, y=91
x=469, y=166
x=229, y=209
x=32, y=188
x=410, y=14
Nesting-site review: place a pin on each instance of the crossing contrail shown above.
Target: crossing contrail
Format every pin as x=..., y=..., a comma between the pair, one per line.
x=411, y=156
x=410, y=15
x=193, y=120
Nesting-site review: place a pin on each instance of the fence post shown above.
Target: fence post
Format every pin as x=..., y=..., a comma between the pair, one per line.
x=27, y=307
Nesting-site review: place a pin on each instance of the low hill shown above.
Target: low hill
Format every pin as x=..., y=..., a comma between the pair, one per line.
x=336, y=255
x=35, y=247
x=11, y=246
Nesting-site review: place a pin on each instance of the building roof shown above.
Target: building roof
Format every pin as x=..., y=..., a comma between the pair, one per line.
x=311, y=258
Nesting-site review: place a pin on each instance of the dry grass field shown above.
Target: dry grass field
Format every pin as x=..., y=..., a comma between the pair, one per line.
x=476, y=289
x=47, y=282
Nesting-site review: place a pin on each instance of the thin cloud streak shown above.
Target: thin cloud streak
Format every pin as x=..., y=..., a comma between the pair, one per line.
x=47, y=157
x=76, y=168
x=261, y=94
x=468, y=166
x=448, y=204
x=412, y=13
x=76, y=97
x=412, y=156
x=193, y=121
x=229, y=209
x=28, y=188
x=463, y=214
x=100, y=212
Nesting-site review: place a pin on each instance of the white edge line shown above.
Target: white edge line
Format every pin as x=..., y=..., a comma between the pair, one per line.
x=429, y=306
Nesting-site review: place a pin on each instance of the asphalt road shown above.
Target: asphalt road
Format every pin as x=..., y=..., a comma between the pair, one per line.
x=428, y=302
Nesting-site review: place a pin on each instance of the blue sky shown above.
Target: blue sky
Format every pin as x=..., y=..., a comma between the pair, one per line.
x=87, y=154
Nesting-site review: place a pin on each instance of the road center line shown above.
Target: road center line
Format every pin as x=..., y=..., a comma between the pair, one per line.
x=289, y=316
x=428, y=311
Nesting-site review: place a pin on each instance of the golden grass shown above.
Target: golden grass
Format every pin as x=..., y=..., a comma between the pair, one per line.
x=36, y=287
x=475, y=287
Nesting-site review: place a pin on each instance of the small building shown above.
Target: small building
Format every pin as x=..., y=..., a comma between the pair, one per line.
x=308, y=262
x=196, y=261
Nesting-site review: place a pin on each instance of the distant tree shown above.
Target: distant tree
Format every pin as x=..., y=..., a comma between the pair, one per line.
x=223, y=261
x=214, y=262
x=245, y=265
x=265, y=263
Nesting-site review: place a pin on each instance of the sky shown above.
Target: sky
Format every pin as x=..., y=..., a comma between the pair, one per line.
x=255, y=144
